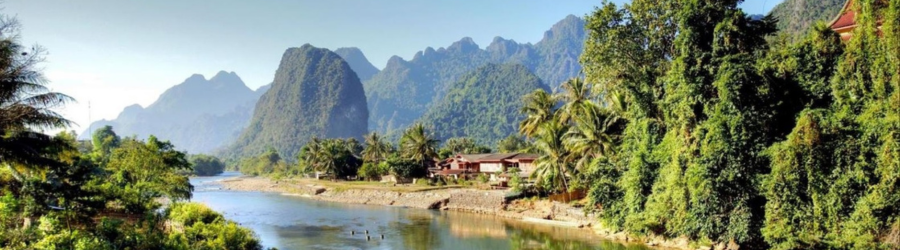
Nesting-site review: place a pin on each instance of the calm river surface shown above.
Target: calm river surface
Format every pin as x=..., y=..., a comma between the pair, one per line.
x=289, y=222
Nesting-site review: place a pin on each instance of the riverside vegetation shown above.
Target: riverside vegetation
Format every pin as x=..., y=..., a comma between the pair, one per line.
x=690, y=123
x=56, y=193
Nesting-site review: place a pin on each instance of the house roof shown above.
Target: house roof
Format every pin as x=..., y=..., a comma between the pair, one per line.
x=473, y=157
x=846, y=18
x=498, y=157
x=526, y=156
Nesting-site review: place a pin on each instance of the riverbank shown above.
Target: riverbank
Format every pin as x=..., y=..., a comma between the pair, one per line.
x=453, y=198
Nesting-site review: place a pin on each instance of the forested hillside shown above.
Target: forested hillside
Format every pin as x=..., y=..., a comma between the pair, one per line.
x=404, y=90
x=796, y=17
x=199, y=115
x=315, y=94
x=484, y=104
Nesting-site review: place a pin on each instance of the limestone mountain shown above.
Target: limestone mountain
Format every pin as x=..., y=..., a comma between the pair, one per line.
x=796, y=17
x=358, y=62
x=404, y=90
x=483, y=104
x=315, y=94
x=198, y=114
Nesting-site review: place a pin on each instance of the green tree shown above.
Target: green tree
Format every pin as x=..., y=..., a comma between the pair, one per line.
x=593, y=135
x=513, y=144
x=465, y=145
x=834, y=179
x=26, y=103
x=685, y=76
x=539, y=109
x=376, y=148
x=206, y=165
x=552, y=168
x=142, y=172
x=575, y=97
x=104, y=141
x=418, y=145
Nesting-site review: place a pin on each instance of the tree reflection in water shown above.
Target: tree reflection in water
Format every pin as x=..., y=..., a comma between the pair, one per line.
x=419, y=233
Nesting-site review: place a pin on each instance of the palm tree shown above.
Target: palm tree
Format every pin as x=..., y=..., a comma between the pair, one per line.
x=575, y=96
x=376, y=148
x=25, y=106
x=329, y=156
x=538, y=108
x=309, y=157
x=552, y=167
x=592, y=136
x=418, y=145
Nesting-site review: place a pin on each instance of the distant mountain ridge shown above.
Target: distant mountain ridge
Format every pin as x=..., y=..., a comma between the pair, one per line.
x=403, y=90
x=358, y=62
x=197, y=115
x=315, y=94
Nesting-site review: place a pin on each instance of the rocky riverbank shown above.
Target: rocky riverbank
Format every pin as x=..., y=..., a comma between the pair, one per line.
x=489, y=202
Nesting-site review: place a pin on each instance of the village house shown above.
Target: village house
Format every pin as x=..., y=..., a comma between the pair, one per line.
x=845, y=21
x=494, y=165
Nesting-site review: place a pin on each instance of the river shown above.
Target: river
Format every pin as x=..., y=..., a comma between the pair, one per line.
x=288, y=222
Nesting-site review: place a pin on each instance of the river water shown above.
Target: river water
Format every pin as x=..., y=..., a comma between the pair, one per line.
x=288, y=222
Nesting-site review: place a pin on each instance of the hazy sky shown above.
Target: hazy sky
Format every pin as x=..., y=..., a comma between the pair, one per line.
x=114, y=53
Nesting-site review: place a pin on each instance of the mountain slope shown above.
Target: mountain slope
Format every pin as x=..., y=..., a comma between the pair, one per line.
x=484, y=104
x=358, y=62
x=797, y=16
x=315, y=94
x=197, y=114
x=403, y=90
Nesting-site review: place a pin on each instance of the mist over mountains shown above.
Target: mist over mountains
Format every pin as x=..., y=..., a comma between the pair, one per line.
x=358, y=62
x=198, y=115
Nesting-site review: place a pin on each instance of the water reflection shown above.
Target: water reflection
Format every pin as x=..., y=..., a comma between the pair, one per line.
x=419, y=232
x=296, y=223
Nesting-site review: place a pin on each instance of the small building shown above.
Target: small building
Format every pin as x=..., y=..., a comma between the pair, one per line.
x=494, y=165
x=845, y=21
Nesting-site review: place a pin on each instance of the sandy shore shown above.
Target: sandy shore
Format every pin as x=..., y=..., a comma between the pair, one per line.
x=489, y=202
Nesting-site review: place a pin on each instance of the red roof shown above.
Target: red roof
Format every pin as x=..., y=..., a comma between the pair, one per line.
x=846, y=17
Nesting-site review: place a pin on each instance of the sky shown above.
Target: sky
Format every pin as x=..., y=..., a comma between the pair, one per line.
x=115, y=53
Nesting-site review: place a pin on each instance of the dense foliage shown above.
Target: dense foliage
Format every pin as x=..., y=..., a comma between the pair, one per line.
x=796, y=17
x=461, y=145
x=404, y=90
x=199, y=115
x=206, y=165
x=266, y=163
x=110, y=200
x=56, y=193
x=334, y=157
x=484, y=104
x=705, y=130
x=315, y=94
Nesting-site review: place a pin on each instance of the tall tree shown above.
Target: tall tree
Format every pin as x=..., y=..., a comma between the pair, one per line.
x=593, y=135
x=539, y=109
x=513, y=144
x=699, y=112
x=418, y=145
x=26, y=104
x=552, y=168
x=376, y=148
x=575, y=96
